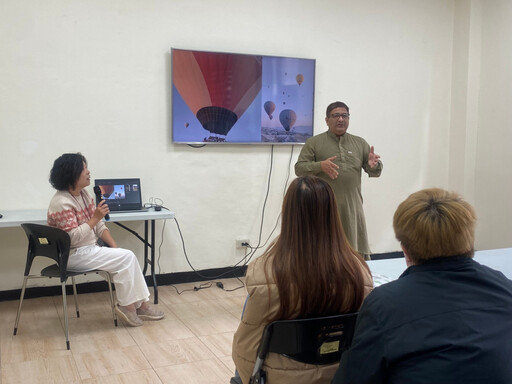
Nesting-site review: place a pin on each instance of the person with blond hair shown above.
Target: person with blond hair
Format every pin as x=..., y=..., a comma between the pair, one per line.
x=447, y=319
x=310, y=270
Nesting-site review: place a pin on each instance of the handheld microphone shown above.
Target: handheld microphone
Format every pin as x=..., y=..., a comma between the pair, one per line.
x=97, y=192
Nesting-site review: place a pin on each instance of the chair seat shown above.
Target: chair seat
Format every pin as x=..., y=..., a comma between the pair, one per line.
x=54, y=271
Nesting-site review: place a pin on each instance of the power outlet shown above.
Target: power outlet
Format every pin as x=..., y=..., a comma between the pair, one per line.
x=239, y=243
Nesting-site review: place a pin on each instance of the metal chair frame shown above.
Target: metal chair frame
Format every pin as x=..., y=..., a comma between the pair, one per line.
x=55, y=243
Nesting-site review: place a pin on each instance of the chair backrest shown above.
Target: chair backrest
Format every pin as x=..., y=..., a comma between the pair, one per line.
x=49, y=242
x=318, y=341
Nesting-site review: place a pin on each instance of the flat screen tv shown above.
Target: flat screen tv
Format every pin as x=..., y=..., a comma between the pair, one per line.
x=225, y=98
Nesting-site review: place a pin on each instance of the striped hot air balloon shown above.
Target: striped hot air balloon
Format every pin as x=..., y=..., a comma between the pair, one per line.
x=217, y=87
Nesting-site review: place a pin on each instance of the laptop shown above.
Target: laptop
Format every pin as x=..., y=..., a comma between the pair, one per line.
x=121, y=195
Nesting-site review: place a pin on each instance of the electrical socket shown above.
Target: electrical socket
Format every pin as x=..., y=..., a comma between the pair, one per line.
x=239, y=243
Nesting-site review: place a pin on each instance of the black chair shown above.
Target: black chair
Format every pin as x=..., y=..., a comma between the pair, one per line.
x=55, y=243
x=318, y=341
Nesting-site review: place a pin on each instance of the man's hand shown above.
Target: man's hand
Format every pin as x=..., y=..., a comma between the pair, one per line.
x=373, y=158
x=329, y=168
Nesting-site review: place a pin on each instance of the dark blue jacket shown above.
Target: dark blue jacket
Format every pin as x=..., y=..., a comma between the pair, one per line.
x=445, y=321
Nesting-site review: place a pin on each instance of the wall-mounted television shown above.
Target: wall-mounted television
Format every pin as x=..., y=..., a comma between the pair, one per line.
x=230, y=98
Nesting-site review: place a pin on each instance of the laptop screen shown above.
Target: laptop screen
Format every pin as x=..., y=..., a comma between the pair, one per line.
x=120, y=194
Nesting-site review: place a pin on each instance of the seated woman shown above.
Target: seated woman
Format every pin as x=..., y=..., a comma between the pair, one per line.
x=73, y=210
x=310, y=270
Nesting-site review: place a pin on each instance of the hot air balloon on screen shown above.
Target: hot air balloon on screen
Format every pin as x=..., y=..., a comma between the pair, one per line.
x=186, y=125
x=269, y=107
x=299, y=78
x=217, y=87
x=287, y=117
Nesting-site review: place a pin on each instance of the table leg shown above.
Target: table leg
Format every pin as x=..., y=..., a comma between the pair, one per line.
x=145, y=248
x=155, y=286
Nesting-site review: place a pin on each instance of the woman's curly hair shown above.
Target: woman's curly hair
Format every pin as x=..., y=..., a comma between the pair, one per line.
x=66, y=171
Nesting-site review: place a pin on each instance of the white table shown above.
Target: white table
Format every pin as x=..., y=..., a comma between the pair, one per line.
x=391, y=269
x=15, y=218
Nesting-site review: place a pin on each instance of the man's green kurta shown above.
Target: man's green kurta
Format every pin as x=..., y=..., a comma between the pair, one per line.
x=351, y=156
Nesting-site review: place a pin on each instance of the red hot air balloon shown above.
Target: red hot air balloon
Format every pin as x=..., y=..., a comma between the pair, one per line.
x=299, y=78
x=217, y=87
x=269, y=107
x=287, y=117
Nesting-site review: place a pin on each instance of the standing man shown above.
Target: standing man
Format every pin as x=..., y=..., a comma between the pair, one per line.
x=338, y=157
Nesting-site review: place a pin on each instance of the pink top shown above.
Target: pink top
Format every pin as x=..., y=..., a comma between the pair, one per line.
x=71, y=213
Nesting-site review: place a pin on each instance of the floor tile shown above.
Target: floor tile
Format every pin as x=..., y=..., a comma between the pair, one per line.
x=201, y=308
x=220, y=344
x=176, y=352
x=109, y=362
x=46, y=370
x=148, y=376
x=203, y=326
x=205, y=371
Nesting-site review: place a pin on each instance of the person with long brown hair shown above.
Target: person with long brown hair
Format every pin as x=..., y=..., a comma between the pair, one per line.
x=310, y=270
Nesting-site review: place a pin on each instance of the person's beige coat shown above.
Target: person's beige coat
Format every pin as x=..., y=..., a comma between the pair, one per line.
x=280, y=370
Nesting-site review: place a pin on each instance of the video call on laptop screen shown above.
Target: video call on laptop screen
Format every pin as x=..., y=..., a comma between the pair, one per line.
x=120, y=194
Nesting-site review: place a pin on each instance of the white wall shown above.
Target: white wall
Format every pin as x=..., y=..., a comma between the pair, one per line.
x=493, y=180
x=94, y=76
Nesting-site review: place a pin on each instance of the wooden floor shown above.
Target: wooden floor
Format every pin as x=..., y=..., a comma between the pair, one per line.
x=191, y=345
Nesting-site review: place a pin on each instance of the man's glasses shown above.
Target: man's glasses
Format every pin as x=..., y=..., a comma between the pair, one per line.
x=344, y=116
